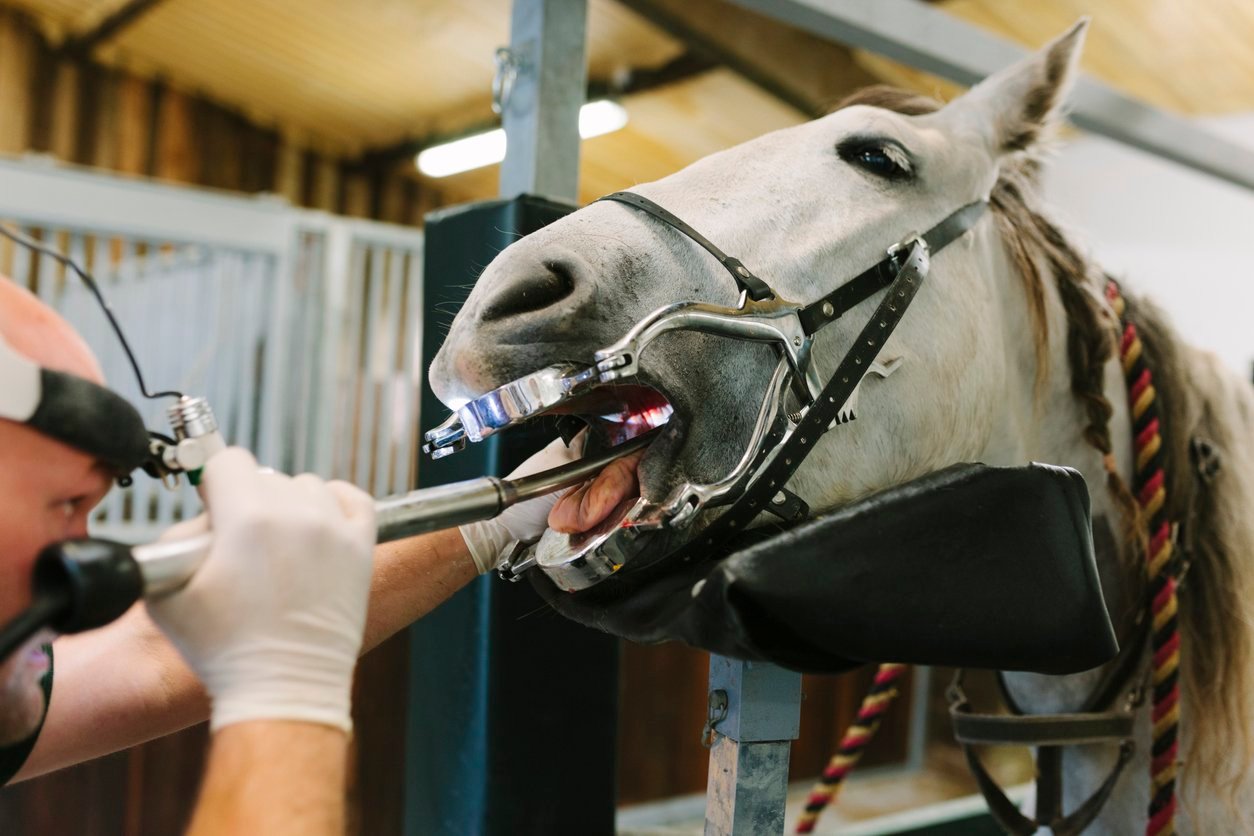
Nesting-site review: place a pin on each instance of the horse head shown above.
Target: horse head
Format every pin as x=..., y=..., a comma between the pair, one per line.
x=806, y=208
x=1006, y=355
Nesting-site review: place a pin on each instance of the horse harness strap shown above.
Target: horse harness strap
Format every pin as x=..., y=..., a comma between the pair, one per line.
x=757, y=289
x=817, y=314
x=902, y=272
x=1101, y=720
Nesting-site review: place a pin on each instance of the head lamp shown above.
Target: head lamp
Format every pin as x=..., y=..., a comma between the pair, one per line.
x=88, y=584
x=72, y=410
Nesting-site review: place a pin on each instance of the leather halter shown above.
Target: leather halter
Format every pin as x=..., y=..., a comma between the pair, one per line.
x=1107, y=716
x=781, y=439
x=902, y=272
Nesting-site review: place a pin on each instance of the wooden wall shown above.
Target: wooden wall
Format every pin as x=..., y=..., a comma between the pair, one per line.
x=82, y=112
x=663, y=706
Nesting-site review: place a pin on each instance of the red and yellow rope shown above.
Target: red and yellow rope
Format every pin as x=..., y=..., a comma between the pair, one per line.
x=1151, y=494
x=1149, y=486
x=853, y=744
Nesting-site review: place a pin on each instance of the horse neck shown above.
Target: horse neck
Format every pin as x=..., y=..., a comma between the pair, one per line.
x=1049, y=427
x=1053, y=432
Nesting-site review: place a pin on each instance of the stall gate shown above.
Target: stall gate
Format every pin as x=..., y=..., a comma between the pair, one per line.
x=303, y=329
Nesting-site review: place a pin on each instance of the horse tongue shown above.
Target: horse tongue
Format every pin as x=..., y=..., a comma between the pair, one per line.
x=586, y=506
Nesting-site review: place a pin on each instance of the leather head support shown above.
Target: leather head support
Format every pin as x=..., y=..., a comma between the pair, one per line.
x=971, y=566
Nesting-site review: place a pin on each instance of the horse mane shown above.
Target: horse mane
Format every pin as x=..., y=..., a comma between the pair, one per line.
x=1197, y=399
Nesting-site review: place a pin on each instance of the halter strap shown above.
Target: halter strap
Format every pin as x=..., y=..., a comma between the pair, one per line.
x=1099, y=721
x=835, y=304
x=901, y=273
x=757, y=289
x=881, y=274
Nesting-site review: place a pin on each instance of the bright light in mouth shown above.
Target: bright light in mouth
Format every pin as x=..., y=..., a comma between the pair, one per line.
x=618, y=413
x=631, y=423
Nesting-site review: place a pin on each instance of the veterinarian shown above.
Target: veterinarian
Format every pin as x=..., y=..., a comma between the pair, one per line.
x=267, y=633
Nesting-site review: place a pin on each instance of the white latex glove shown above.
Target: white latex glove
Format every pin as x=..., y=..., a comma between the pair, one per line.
x=525, y=521
x=272, y=623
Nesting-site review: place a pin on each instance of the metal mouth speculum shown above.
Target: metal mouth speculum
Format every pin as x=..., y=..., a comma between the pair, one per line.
x=582, y=561
x=772, y=321
x=514, y=403
x=579, y=561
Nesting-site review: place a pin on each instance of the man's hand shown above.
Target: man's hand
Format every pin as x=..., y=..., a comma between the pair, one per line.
x=272, y=623
x=525, y=521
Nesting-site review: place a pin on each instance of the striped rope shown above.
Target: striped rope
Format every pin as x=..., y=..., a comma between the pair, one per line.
x=1149, y=486
x=1151, y=494
x=852, y=745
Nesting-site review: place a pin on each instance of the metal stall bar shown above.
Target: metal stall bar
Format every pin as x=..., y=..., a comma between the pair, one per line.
x=931, y=40
x=754, y=715
x=512, y=710
x=543, y=81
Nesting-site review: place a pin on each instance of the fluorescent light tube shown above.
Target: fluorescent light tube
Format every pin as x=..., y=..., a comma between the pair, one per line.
x=595, y=118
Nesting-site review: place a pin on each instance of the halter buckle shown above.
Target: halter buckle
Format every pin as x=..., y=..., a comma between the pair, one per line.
x=898, y=252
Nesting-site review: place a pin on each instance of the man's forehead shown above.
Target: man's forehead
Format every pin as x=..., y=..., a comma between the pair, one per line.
x=35, y=330
x=58, y=464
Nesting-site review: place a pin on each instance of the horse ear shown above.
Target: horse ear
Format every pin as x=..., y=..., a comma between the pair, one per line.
x=1019, y=106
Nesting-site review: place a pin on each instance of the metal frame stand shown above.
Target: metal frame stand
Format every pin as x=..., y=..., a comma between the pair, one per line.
x=755, y=714
x=512, y=711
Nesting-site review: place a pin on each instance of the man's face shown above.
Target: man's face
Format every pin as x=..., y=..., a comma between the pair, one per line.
x=47, y=491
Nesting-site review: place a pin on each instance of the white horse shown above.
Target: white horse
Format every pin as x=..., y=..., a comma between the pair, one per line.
x=1008, y=356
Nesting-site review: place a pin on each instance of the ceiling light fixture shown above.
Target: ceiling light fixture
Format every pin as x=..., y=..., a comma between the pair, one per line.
x=595, y=118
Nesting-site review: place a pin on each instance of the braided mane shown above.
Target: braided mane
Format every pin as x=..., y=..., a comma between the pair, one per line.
x=1198, y=399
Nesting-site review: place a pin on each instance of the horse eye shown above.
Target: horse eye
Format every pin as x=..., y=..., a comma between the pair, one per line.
x=882, y=158
x=876, y=161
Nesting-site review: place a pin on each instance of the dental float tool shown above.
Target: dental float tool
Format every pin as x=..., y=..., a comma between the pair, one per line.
x=83, y=584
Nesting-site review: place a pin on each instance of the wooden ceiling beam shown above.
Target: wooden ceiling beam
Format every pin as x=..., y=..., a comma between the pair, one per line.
x=808, y=73
x=112, y=25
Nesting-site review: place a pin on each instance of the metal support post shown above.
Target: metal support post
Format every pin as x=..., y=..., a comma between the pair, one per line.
x=542, y=82
x=505, y=697
x=755, y=714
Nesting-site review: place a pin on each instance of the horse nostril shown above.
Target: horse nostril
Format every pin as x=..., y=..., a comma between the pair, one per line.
x=550, y=284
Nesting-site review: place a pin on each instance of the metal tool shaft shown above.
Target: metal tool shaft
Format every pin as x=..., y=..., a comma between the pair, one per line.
x=168, y=566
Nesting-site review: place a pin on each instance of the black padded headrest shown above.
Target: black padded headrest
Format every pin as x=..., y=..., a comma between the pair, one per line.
x=971, y=566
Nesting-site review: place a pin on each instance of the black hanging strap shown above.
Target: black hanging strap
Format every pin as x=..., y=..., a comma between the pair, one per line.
x=810, y=429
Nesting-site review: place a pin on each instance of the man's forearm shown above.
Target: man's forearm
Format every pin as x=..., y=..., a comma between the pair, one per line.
x=112, y=689
x=411, y=578
x=274, y=777
x=125, y=684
